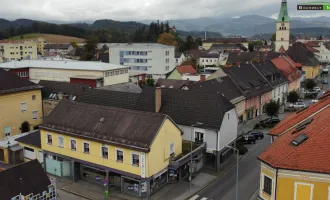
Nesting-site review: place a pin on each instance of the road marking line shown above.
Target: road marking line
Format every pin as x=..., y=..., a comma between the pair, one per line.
x=194, y=197
x=204, y=198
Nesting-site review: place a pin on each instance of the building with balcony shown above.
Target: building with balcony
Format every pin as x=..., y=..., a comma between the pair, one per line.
x=18, y=50
x=156, y=60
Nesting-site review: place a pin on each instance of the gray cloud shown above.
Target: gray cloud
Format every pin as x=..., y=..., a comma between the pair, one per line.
x=76, y=10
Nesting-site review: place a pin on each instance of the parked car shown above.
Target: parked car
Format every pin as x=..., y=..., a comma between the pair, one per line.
x=246, y=139
x=324, y=81
x=257, y=135
x=269, y=122
x=297, y=105
x=314, y=101
x=317, y=89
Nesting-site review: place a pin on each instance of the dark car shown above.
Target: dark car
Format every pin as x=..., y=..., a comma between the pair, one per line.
x=246, y=139
x=257, y=135
x=269, y=122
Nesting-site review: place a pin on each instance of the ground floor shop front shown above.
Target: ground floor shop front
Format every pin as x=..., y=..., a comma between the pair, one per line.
x=76, y=170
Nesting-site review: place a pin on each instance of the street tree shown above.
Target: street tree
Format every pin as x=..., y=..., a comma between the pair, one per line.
x=167, y=39
x=309, y=84
x=273, y=37
x=74, y=44
x=90, y=48
x=293, y=97
x=272, y=109
x=150, y=82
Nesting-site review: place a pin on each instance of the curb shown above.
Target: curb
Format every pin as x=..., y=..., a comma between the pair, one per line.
x=65, y=190
x=220, y=175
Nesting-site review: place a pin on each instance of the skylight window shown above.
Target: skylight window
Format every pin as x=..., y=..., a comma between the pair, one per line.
x=299, y=139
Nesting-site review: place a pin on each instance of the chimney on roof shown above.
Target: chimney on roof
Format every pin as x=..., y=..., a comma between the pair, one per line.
x=202, y=78
x=158, y=99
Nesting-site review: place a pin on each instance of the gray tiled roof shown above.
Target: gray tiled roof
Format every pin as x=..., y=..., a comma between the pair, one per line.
x=123, y=87
x=187, y=107
x=172, y=83
x=300, y=54
x=268, y=69
x=32, y=139
x=12, y=83
x=128, y=128
x=23, y=179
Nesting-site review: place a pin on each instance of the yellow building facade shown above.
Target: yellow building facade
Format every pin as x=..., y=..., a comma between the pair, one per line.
x=22, y=111
x=19, y=50
x=155, y=161
x=311, y=72
x=279, y=184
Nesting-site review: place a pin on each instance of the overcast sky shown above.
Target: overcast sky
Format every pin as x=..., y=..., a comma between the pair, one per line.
x=78, y=10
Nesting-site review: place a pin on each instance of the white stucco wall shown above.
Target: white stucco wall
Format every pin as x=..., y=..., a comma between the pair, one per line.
x=279, y=91
x=228, y=130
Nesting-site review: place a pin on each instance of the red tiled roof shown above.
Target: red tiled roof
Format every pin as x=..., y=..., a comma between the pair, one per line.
x=313, y=154
x=289, y=71
x=293, y=62
x=297, y=117
x=186, y=69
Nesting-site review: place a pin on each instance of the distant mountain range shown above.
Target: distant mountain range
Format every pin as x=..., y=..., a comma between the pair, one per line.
x=246, y=26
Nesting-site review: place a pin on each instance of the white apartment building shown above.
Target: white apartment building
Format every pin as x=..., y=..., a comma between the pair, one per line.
x=18, y=50
x=155, y=60
x=324, y=54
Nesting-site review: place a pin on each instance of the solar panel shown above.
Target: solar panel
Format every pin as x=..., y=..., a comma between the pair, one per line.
x=299, y=139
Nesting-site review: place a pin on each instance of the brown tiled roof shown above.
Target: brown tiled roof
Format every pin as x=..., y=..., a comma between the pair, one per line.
x=292, y=62
x=300, y=54
x=12, y=83
x=23, y=179
x=297, y=117
x=186, y=69
x=289, y=71
x=313, y=154
x=128, y=128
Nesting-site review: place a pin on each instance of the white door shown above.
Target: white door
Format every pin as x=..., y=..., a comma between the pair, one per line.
x=41, y=157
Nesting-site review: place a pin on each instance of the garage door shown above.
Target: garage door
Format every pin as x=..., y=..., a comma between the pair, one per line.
x=29, y=153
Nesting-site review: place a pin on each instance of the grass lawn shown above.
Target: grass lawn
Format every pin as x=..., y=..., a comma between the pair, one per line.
x=26, y=36
x=50, y=38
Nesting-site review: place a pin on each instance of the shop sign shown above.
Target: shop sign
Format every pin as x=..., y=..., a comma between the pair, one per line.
x=143, y=165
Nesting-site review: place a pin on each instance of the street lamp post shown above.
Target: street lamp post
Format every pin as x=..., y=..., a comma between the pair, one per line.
x=191, y=157
x=237, y=153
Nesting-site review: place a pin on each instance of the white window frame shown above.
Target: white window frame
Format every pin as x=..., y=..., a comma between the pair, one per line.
x=172, y=143
x=58, y=141
x=199, y=131
x=262, y=185
x=48, y=134
x=35, y=111
x=137, y=154
x=116, y=155
x=83, y=147
x=23, y=103
x=302, y=183
x=71, y=139
x=102, y=151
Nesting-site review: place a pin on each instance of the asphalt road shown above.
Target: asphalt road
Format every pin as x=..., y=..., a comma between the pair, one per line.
x=249, y=175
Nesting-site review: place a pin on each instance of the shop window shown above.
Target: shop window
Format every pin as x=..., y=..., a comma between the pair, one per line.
x=61, y=141
x=119, y=156
x=49, y=139
x=172, y=150
x=267, y=185
x=86, y=147
x=135, y=159
x=73, y=145
x=105, y=153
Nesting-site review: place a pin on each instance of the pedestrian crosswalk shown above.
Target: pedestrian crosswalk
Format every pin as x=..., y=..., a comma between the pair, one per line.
x=197, y=197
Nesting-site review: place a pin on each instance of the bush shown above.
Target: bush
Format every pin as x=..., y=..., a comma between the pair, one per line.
x=293, y=97
x=309, y=84
x=256, y=126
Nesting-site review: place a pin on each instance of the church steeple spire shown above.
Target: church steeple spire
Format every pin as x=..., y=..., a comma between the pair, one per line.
x=283, y=16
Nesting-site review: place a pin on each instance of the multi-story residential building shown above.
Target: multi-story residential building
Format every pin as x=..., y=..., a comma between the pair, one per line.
x=179, y=57
x=324, y=53
x=310, y=66
x=226, y=86
x=255, y=87
x=40, y=42
x=210, y=41
x=57, y=49
x=296, y=165
x=156, y=60
x=275, y=78
x=20, y=105
x=18, y=50
x=282, y=29
x=290, y=72
x=27, y=181
x=134, y=155
x=209, y=59
x=95, y=74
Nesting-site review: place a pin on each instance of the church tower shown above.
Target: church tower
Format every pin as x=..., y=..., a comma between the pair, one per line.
x=282, y=29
